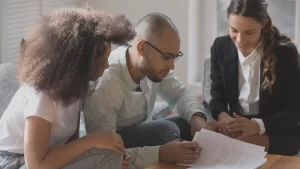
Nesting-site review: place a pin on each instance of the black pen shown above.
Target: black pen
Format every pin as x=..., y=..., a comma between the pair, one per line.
x=182, y=141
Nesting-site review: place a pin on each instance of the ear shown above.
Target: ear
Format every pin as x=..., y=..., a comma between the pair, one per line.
x=108, y=47
x=267, y=20
x=141, y=47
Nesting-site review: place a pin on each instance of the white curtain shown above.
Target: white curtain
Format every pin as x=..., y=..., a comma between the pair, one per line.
x=16, y=16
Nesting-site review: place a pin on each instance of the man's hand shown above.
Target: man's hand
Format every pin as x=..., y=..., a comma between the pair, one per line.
x=244, y=125
x=179, y=152
x=197, y=123
x=126, y=161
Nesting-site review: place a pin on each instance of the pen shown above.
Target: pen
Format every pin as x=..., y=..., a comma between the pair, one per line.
x=182, y=141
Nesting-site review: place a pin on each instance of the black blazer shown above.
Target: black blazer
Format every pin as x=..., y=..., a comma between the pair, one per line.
x=280, y=110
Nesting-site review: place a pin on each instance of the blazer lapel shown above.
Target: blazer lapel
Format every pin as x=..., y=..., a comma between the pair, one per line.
x=231, y=75
x=263, y=94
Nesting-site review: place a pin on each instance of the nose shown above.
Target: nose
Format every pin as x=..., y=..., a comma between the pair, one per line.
x=240, y=39
x=171, y=64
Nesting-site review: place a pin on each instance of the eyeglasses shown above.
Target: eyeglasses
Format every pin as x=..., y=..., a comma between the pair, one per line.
x=166, y=57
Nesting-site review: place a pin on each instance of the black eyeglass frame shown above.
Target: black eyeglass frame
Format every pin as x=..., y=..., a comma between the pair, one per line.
x=166, y=57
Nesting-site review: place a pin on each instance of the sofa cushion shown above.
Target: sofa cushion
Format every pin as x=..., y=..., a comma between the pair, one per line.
x=8, y=84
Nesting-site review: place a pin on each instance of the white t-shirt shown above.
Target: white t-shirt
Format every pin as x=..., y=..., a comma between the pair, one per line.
x=29, y=102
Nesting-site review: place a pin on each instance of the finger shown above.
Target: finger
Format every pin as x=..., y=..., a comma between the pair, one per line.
x=233, y=134
x=235, y=125
x=117, y=150
x=120, y=147
x=219, y=129
x=232, y=121
x=191, y=151
x=119, y=140
x=190, y=144
x=128, y=158
x=127, y=163
x=237, y=134
x=190, y=156
x=236, y=115
x=225, y=131
x=117, y=135
x=125, y=167
x=235, y=130
x=222, y=130
x=188, y=159
x=237, y=120
x=199, y=150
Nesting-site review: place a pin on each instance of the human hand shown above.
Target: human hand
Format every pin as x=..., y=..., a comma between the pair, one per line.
x=221, y=125
x=179, y=152
x=244, y=125
x=197, y=123
x=107, y=140
x=126, y=161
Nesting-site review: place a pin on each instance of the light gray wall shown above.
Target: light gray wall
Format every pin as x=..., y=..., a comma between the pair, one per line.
x=177, y=10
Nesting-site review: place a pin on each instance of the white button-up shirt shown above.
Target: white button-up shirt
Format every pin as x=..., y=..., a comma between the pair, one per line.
x=116, y=104
x=249, y=85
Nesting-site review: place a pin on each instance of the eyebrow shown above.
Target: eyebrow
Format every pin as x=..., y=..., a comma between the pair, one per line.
x=245, y=31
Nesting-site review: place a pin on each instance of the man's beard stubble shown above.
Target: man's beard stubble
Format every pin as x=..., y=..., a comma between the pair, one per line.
x=149, y=72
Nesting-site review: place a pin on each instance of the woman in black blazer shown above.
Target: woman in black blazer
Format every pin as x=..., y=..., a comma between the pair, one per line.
x=256, y=80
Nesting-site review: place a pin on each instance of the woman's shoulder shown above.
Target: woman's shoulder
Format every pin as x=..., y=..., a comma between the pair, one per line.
x=30, y=95
x=222, y=40
x=286, y=52
x=222, y=43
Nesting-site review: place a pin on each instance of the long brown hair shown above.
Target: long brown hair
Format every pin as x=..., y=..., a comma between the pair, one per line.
x=270, y=35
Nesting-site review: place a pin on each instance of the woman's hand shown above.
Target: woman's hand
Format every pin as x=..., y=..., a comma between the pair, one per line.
x=223, y=119
x=108, y=140
x=126, y=161
x=244, y=125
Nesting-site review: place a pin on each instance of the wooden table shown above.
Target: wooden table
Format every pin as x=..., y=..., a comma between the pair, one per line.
x=273, y=162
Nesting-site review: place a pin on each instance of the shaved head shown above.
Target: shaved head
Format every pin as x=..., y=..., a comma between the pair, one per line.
x=152, y=26
x=155, y=47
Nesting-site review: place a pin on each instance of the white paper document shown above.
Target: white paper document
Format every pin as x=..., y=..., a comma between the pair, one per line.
x=222, y=152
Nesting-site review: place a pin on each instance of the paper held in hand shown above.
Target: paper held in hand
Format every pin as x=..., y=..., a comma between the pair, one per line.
x=222, y=152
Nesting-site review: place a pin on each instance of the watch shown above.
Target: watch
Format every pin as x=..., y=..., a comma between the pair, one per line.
x=201, y=115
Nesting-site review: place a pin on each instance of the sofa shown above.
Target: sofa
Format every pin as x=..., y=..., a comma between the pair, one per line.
x=8, y=84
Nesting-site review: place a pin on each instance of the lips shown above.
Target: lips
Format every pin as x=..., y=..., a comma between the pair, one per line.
x=242, y=46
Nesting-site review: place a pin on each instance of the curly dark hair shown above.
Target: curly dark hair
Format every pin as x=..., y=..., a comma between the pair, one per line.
x=58, y=53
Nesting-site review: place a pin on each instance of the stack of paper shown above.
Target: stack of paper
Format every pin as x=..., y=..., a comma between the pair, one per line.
x=222, y=152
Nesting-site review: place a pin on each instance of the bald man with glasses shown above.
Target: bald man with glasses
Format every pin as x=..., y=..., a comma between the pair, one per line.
x=125, y=95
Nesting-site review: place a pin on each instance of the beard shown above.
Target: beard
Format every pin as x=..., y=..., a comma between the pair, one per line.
x=149, y=72
x=152, y=75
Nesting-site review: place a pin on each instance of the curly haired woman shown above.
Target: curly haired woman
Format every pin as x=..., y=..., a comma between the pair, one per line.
x=61, y=56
